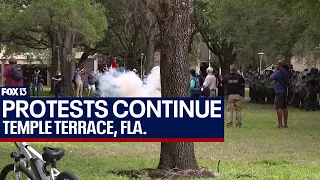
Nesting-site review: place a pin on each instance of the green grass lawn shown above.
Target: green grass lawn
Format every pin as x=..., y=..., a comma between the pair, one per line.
x=259, y=148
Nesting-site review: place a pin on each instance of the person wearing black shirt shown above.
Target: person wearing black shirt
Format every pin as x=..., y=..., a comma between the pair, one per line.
x=91, y=83
x=201, y=78
x=59, y=84
x=234, y=83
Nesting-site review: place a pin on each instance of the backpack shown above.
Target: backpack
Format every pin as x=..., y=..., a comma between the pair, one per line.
x=196, y=89
x=16, y=72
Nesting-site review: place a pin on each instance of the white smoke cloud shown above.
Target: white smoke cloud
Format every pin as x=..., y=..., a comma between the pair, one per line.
x=128, y=84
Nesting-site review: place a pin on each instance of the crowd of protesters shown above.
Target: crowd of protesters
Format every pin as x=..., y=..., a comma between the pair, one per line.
x=231, y=85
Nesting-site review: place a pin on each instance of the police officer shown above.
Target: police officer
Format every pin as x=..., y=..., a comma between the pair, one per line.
x=258, y=88
x=270, y=90
x=302, y=88
x=235, y=90
x=194, y=84
x=251, y=85
x=312, y=90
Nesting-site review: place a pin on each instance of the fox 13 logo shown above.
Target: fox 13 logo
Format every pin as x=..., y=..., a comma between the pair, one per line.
x=14, y=91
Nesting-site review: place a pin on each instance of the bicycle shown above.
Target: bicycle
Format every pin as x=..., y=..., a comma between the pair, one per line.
x=34, y=166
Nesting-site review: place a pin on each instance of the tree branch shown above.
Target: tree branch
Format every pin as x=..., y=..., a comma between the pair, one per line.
x=154, y=6
x=193, y=33
x=120, y=39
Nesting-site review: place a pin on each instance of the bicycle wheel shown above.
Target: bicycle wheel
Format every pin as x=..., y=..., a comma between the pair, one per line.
x=66, y=176
x=8, y=173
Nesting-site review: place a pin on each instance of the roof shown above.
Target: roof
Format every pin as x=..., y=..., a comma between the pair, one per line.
x=79, y=54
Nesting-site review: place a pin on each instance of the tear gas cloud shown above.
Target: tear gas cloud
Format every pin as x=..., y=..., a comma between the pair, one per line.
x=128, y=84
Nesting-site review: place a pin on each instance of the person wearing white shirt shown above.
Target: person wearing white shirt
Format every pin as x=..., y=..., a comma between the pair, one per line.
x=210, y=82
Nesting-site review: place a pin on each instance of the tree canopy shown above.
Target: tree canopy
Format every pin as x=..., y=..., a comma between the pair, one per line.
x=274, y=27
x=237, y=29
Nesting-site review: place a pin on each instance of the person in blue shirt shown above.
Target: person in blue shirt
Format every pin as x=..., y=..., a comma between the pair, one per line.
x=281, y=77
x=194, y=84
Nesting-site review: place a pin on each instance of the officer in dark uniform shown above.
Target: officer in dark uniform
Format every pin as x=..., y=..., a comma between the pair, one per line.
x=234, y=83
x=258, y=88
x=270, y=90
x=264, y=84
x=312, y=90
x=296, y=89
x=302, y=88
x=251, y=85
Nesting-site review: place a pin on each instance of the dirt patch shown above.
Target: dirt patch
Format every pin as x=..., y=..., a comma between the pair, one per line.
x=172, y=174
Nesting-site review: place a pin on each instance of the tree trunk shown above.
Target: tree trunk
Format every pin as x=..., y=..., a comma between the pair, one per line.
x=65, y=41
x=287, y=56
x=149, y=61
x=85, y=55
x=225, y=65
x=132, y=59
x=54, y=59
x=173, y=22
x=133, y=50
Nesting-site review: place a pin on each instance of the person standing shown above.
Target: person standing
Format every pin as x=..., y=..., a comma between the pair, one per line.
x=234, y=83
x=58, y=90
x=97, y=76
x=221, y=86
x=281, y=76
x=91, y=83
x=210, y=82
x=194, y=84
x=13, y=75
x=41, y=84
x=36, y=83
x=201, y=78
x=78, y=81
x=312, y=88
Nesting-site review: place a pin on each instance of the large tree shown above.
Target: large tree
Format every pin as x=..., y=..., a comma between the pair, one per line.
x=173, y=21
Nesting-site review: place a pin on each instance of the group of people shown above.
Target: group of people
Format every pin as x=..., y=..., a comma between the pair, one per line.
x=235, y=88
x=77, y=81
x=200, y=87
x=79, y=85
x=234, y=84
x=92, y=82
x=13, y=76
